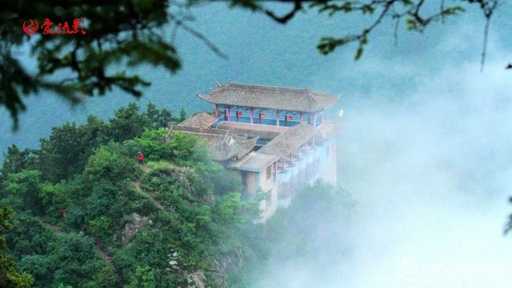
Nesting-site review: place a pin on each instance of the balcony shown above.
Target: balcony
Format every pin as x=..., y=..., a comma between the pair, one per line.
x=264, y=121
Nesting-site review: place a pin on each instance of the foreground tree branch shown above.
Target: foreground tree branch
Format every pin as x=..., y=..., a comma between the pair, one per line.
x=117, y=36
x=124, y=34
x=416, y=14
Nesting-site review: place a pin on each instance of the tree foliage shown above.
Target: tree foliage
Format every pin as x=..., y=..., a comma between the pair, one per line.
x=66, y=151
x=18, y=160
x=10, y=277
x=23, y=191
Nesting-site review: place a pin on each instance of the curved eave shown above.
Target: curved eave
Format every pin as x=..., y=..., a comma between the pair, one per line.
x=205, y=98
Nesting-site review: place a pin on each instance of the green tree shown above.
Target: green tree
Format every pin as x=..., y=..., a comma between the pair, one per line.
x=10, y=277
x=31, y=242
x=61, y=152
x=143, y=278
x=72, y=261
x=154, y=143
x=127, y=123
x=76, y=260
x=55, y=199
x=17, y=160
x=56, y=258
x=29, y=236
x=109, y=191
x=160, y=144
x=183, y=115
x=109, y=163
x=65, y=152
x=158, y=118
x=23, y=191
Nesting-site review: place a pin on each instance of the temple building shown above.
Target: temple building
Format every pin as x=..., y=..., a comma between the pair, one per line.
x=277, y=138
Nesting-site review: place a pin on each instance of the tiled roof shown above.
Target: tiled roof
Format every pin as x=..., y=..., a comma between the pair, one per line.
x=291, y=99
x=201, y=120
x=290, y=141
x=259, y=130
x=254, y=162
x=231, y=148
x=225, y=147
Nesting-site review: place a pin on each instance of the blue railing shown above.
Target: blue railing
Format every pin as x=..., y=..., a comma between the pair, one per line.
x=266, y=121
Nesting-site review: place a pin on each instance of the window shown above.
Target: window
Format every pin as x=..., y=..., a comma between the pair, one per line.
x=310, y=119
x=269, y=172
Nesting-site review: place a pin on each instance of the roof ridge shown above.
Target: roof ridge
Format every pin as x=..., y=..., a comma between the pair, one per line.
x=271, y=97
x=265, y=86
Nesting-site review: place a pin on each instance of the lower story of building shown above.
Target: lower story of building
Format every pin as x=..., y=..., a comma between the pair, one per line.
x=280, y=181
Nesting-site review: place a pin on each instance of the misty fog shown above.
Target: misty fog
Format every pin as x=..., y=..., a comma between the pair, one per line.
x=431, y=175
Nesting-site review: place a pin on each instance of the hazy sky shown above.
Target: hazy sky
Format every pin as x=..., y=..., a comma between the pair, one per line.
x=261, y=51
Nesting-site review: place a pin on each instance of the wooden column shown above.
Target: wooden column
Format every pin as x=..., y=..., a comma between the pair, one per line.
x=251, y=115
x=277, y=117
x=228, y=111
x=216, y=111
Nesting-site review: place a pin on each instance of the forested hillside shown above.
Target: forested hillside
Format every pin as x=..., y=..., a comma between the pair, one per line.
x=88, y=215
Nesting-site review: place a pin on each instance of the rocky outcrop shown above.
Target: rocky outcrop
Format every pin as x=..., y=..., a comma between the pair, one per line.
x=133, y=225
x=196, y=280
